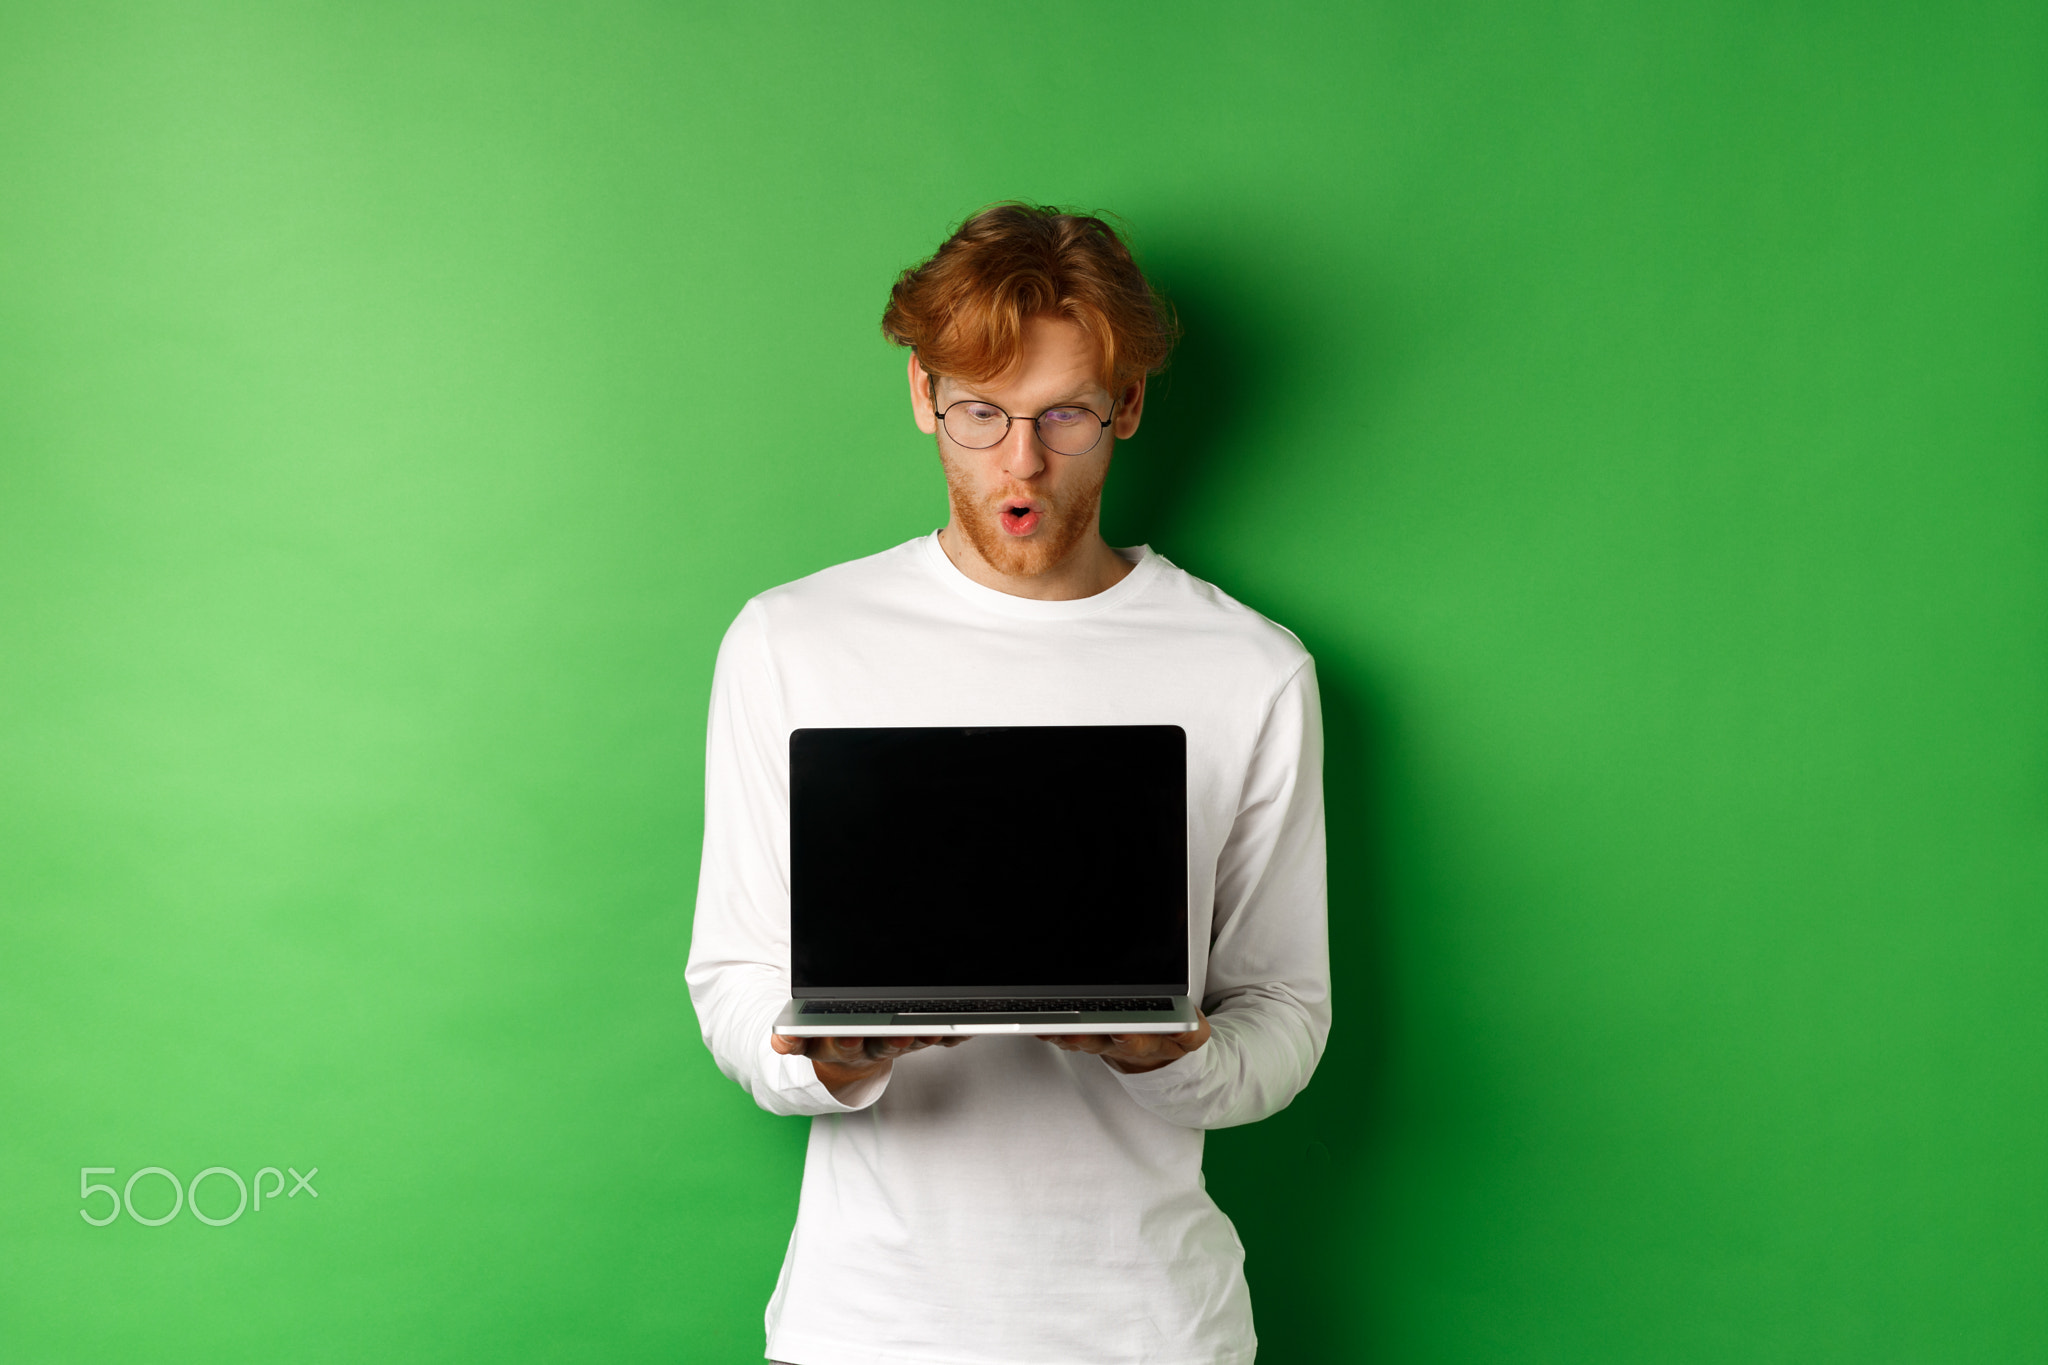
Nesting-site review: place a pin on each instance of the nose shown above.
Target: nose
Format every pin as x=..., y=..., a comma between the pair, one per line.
x=1023, y=453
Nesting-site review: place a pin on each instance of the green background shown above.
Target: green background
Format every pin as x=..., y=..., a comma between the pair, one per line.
x=1640, y=410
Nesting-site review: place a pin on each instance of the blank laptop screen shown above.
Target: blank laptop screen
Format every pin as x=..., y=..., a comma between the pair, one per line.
x=985, y=861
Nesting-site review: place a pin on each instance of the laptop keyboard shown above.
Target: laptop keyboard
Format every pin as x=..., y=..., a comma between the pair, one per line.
x=1032, y=1006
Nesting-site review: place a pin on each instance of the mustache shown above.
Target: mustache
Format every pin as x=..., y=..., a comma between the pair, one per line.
x=1016, y=495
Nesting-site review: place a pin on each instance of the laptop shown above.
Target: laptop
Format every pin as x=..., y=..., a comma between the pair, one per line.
x=994, y=879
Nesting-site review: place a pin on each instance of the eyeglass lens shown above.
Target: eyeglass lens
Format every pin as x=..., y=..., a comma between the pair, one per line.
x=1065, y=431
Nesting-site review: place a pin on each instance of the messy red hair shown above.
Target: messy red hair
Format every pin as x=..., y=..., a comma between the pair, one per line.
x=963, y=310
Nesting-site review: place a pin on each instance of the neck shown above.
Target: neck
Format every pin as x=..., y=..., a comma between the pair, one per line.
x=1089, y=568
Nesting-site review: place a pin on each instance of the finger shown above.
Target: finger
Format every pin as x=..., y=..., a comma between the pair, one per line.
x=788, y=1047
x=845, y=1051
x=882, y=1049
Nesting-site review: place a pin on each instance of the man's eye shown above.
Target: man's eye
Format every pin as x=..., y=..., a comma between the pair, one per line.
x=1065, y=417
x=983, y=412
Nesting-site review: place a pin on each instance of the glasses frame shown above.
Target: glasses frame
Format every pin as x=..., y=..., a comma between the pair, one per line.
x=1010, y=420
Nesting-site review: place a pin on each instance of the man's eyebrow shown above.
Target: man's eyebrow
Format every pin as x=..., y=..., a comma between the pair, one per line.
x=1075, y=398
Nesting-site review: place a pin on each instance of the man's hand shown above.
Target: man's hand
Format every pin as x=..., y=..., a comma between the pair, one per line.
x=1134, y=1052
x=843, y=1062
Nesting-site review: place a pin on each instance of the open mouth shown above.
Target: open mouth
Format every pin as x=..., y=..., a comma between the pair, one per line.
x=1019, y=518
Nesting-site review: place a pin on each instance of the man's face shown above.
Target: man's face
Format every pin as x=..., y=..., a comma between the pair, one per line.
x=1026, y=509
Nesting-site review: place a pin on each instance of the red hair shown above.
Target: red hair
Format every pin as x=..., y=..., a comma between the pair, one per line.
x=963, y=310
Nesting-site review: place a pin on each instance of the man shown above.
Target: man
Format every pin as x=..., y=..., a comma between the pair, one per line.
x=1036, y=1201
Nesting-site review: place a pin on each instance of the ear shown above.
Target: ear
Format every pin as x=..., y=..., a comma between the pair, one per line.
x=1130, y=407
x=921, y=410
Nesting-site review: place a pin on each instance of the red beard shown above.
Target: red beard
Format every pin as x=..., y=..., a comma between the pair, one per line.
x=1061, y=527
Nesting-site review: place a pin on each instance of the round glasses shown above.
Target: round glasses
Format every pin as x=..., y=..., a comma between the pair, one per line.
x=975, y=425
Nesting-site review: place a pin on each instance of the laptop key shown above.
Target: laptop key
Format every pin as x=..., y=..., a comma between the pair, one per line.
x=1011, y=1006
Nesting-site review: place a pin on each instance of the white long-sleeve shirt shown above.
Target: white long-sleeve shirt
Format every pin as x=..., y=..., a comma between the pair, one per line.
x=1004, y=1202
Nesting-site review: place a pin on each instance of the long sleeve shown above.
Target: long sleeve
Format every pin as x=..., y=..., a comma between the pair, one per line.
x=1267, y=991
x=738, y=972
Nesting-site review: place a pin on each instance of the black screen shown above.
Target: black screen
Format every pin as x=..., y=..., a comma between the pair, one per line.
x=980, y=861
